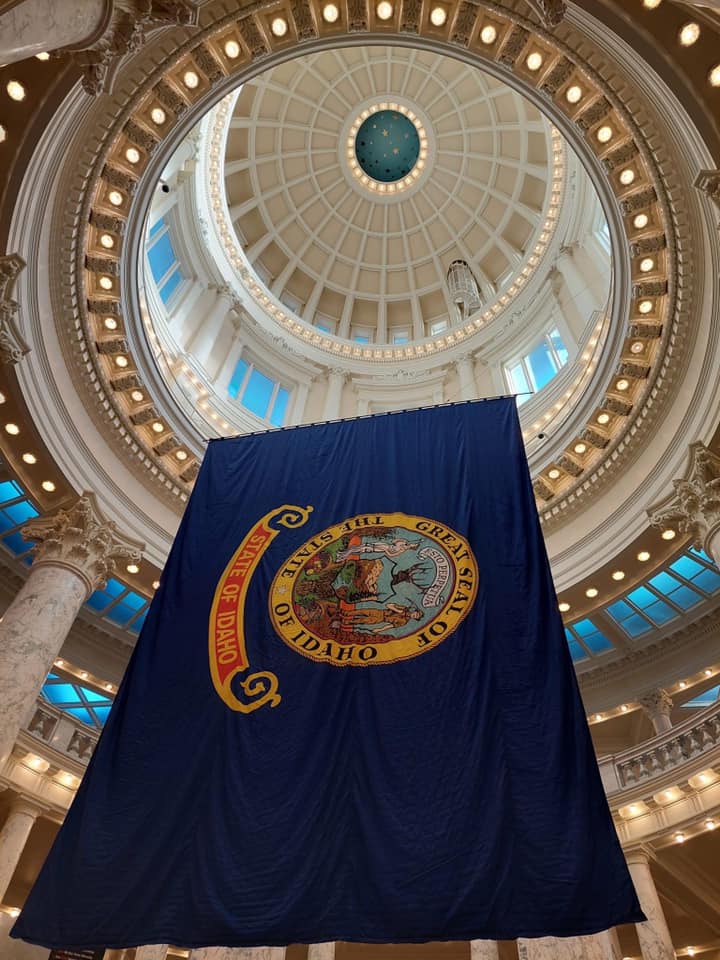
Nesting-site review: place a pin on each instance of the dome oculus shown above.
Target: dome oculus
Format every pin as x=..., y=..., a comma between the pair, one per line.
x=389, y=145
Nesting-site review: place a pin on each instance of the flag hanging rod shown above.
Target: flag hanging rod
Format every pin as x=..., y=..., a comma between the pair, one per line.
x=367, y=416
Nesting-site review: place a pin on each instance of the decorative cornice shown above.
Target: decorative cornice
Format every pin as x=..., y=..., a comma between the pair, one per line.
x=126, y=29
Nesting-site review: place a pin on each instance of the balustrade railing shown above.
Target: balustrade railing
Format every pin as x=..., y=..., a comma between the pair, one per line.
x=696, y=738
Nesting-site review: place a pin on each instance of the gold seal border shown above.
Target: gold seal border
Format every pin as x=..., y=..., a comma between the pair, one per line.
x=286, y=624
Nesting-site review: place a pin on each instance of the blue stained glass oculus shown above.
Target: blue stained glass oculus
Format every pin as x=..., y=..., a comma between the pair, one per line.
x=387, y=146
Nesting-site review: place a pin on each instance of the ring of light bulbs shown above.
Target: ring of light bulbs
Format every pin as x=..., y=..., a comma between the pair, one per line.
x=378, y=186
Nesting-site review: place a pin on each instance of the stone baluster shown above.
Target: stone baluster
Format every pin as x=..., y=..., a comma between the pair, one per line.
x=13, y=837
x=694, y=506
x=75, y=552
x=654, y=935
x=484, y=950
x=657, y=706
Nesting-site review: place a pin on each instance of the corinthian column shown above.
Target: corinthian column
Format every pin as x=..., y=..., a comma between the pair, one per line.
x=75, y=553
x=466, y=378
x=654, y=935
x=13, y=837
x=694, y=505
x=657, y=706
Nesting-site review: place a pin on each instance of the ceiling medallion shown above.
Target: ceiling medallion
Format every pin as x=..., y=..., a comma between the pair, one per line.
x=387, y=147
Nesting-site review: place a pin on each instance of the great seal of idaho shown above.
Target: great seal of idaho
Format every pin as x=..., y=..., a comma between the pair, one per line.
x=374, y=589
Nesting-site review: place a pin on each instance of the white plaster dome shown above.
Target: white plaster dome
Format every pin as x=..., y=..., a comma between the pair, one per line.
x=373, y=262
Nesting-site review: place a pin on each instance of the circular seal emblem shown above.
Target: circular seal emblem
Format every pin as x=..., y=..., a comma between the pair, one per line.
x=374, y=589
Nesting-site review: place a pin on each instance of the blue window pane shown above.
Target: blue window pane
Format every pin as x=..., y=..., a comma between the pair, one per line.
x=518, y=380
x=703, y=555
x=125, y=608
x=631, y=622
x=708, y=580
x=401, y=338
x=93, y=697
x=103, y=598
x=136, y=625
x=161, y=257
x=81, y=713
x=324, y=327
x=593, y=638
x=61, y=693
x=686, y=567
x=659, y=612
x=20, y=512
x=642, y=597
x=17, y=543
x=9, y=490
x=704, y=699
x=542, y=365
x=237, y=377
x=663, y=582
x=280, y=407
x=558, y=345
x=171, y=284
x=102, y=713
x=257, y=393
x=358, y=338
x=156, y=227
x=685, y=597
x=576, y=652
x=53, y=676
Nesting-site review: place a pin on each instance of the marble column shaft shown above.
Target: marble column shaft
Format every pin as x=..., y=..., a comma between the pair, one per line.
x=654, y=935
x=75, y=552
x=567, y=948
x=484, y=950
x=13, y=837
x=155, y=951
x=239, y=953
x=32, y=632
x=322, y=951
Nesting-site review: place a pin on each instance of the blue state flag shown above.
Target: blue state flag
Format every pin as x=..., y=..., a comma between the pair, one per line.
x=351, y=714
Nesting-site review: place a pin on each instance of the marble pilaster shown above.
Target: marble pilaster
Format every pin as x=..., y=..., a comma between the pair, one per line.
x=13, y=837
x=484, y=950
x=694, y=506
x=333, y=394
x=75, y=552
x=654, y=935
x=466, y=378
x=657, y=706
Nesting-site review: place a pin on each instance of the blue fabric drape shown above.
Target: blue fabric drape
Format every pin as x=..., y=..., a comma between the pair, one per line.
x=450, y=795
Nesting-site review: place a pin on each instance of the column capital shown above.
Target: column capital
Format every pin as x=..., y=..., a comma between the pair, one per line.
x=656, y=703
x=82, y=540
x=125, y=29
x=640, y=854
x=24, y=807
x=694, y=505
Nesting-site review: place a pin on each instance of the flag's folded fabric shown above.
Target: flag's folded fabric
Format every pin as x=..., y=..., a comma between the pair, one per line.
x=351, y=714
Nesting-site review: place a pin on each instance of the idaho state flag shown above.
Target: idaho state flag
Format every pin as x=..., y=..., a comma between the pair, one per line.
x=351, y=715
